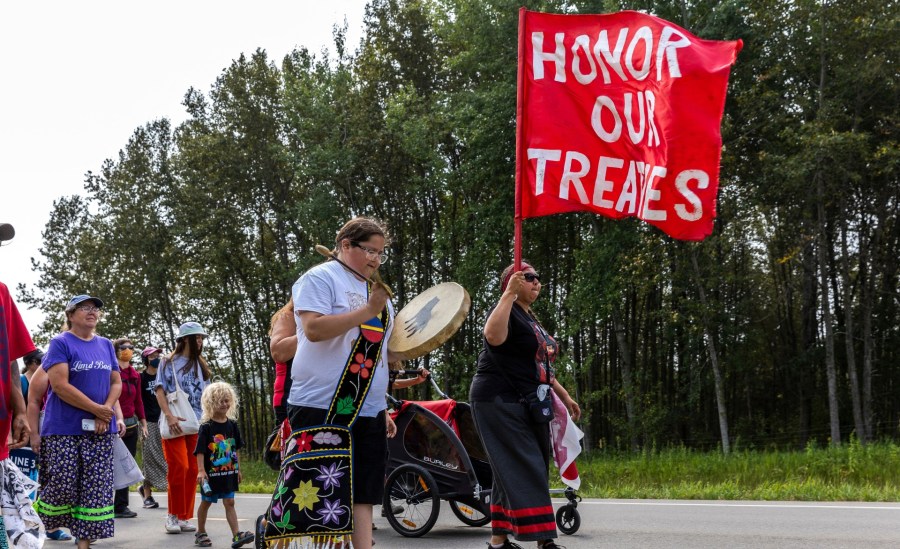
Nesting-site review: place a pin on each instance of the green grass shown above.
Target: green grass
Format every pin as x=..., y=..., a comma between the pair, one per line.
x=849, y=473
x=258, y=478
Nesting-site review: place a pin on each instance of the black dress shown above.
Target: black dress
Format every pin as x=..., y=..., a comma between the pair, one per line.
x=517, y=447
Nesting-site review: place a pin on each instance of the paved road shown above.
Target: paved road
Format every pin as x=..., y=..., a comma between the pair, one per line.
x=645, y=524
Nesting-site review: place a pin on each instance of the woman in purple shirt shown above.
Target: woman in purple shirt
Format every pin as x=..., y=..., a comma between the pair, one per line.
x=76, y=469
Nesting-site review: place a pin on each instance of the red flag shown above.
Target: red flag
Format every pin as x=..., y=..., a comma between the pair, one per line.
x=620, y=115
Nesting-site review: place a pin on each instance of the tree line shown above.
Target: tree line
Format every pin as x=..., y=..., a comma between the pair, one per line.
x=781, y=328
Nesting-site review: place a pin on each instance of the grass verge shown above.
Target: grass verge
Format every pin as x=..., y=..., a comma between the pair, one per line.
x=851, y=472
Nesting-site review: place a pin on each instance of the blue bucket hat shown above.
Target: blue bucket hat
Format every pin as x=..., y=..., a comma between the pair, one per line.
x=79, y=299
x=189, y=329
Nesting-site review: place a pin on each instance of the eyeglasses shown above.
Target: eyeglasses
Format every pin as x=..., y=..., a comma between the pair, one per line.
x=126, y=347
x=88, y=308
x=531, y=277
x=370, y=253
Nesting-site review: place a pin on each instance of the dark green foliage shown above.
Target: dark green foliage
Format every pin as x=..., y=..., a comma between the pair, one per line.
x=215, y=219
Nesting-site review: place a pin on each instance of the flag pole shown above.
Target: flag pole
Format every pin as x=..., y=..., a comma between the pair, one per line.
x=520, y=88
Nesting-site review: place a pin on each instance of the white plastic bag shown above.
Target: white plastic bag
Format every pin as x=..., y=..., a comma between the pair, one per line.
x=125, y=469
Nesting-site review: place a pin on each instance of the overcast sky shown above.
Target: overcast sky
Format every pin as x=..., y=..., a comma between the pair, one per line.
x=80, y=77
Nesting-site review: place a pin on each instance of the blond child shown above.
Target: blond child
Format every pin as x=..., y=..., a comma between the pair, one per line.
x=218, y=467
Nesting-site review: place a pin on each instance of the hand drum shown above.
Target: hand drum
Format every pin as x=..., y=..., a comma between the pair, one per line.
x=429, y=320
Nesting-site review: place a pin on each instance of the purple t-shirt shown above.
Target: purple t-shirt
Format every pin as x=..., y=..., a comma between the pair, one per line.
x=90, y=366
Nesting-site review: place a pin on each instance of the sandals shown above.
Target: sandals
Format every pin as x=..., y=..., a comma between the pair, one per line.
x=201, y=539
x=241, y=538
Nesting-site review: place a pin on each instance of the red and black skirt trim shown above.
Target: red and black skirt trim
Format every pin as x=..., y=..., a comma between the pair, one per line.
x=528, y=523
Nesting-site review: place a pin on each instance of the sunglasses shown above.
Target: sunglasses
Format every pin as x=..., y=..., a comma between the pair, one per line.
x=126, y=347
x=531, y=277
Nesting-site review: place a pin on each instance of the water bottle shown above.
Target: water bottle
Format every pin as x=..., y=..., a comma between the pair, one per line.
x=204, y=487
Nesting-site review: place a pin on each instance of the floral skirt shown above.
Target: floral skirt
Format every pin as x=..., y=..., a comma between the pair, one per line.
x=76, y=476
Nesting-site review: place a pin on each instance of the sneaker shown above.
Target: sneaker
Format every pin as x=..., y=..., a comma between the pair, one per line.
x=150, y=503
x=506, y=545
x=59, y=535
x=240, y=539
x=125, y=513
x=172, y=526
x=550, y=544
x=186, y=526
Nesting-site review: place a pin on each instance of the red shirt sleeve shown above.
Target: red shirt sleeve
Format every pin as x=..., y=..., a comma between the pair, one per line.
x=19, y=340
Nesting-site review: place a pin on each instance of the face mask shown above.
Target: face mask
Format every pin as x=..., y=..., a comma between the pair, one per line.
x=155, y=363
x=125, y=356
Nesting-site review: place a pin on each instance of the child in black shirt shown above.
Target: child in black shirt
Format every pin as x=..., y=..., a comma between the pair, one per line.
x=217, y=448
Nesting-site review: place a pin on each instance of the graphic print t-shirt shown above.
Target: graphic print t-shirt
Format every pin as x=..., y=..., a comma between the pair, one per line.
x=148, y=397
x=526, y=358
x=191, y=381
x=90, y=364
x=219, y=443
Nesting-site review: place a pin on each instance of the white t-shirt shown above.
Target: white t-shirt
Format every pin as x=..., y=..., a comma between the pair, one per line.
x=330, y=289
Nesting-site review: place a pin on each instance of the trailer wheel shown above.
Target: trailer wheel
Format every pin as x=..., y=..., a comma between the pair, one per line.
x=469, y=515
x=414, y=489
x=568, y=519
